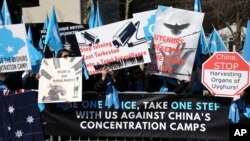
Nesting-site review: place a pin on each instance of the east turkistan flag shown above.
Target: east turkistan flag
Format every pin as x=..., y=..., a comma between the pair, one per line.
x=216, y=43
x=197, y=5
x=45, y=26
x=95, y=19
x=246, y=48
x=92, y=15
x=1, y=19
x=30, y=38
x=6, y=13
x=202, y=47
x=98, y=18
x=53, y=38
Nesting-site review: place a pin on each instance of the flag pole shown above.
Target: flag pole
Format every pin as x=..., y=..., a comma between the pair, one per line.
x=44, y=48
x=98, y=14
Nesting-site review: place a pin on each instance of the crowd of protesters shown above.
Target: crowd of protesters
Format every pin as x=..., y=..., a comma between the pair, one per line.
x=134, y=78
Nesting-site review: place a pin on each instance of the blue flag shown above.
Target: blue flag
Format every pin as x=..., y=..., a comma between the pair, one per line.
x=45, y=26
x=35, y=57
x=202, y=44
x=30, y=38
x=22, y=20
x=53, y=38
x=1, y=19
x=164, y=87
x=246, y=48
x=92, y=15
x=20, y=118
x=202, y=47
x=216, y=43
x=6, y=14
x=98, y=18
x=197, y=6
x=111, y=95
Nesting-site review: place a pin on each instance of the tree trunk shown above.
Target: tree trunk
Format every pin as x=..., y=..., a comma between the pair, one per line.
x=238, y=42
x=127, y=8
x=86, y=4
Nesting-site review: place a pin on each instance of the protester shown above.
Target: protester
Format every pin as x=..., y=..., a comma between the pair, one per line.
x=64, y=53
x=136, y=79
x=12, y=80
x=154, y=83
x=2, y=82
x=101, y=83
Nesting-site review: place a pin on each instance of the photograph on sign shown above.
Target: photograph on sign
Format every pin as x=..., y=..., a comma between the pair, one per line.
x=115, y=46
x=176, y=35
x=60, y=80
x=225, y=74
x=14, y=55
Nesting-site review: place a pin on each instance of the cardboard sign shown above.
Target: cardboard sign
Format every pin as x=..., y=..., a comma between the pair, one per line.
x=117, y=45
x=176, y=35
x=14, y=55
x=225, y=74
x=61, y=80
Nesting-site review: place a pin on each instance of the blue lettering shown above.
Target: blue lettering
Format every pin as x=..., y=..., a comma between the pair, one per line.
x=210, y=106
x=181, y=105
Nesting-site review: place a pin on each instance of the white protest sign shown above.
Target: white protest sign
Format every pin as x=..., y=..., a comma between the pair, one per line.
x=225, y=74
x=61, y=80
x=117, y=45
x=147, y=19
x=14, y=55
x=176, y=35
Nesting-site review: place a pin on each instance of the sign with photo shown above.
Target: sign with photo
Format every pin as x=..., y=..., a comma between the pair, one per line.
x=14, y=55
x=117, y=45
x=60, y=80
x=176, y=35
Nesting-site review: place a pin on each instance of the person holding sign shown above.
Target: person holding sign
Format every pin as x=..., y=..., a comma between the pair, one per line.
x=110, y=82
x=11, y=80
x=116, y=79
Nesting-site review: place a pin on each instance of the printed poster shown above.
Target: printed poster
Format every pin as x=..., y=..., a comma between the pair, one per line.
x=14, y=55
x=118, y=45
x=60, y=80
x=176, y=35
